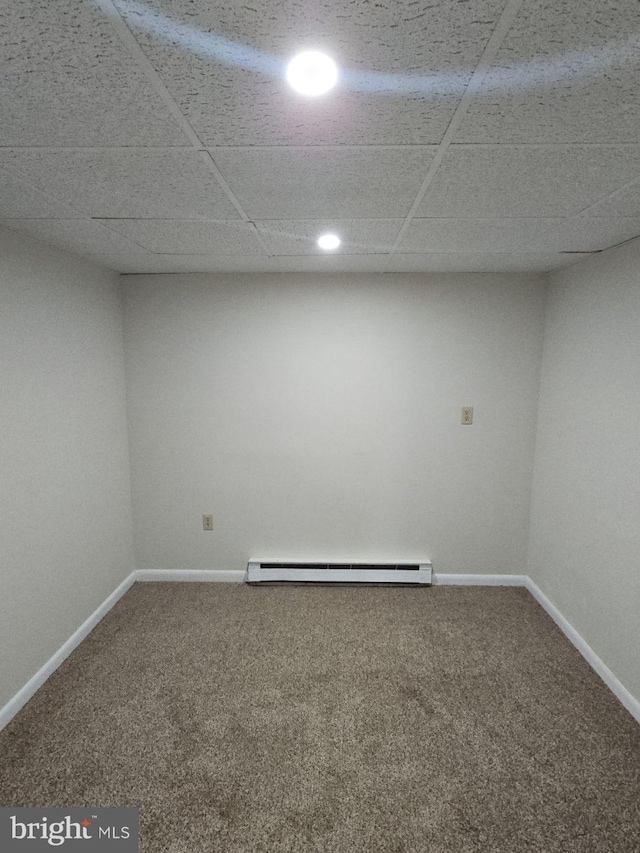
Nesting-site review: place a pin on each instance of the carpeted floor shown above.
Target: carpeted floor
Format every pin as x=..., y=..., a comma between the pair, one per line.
x=339, y=719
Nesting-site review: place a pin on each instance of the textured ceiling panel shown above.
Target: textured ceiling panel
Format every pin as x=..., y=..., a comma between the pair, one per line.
x=497, y=181
x=322, y=183
x=358, y=236
x=88, y=127
x=566, y=72
x=585, y=234
x=625, y=202
x=435, y=262
x=229, y=263
x=123, y=183
x=482, y=262
x=405, y=65
x=20, y=201
x=68, y=80
x=82, y=236
x=197, y=237
x=472, y=235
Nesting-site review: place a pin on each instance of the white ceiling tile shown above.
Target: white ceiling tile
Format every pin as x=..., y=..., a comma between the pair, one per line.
x=227, y=263
x=496, y=181
x=20, y=201
x=352, y=161
x=481, y=262
x=542, y=261
x=625, y=202
x=472, y=235
x=566, y=72
x=358, y=236
x=125, y=263
x=124, y=183
x=186, y=237
x=329, y=263
x=586, y=234
x=448, y=262
x=321, y=183
x=81, y=236
x=67, y=79
x=404, y=66
x=435, y=262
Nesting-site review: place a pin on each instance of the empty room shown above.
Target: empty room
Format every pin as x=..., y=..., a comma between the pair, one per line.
x=319, y=406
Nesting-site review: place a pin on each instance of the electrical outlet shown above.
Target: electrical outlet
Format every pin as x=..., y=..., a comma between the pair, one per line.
x=207, y=522
x=467, y=415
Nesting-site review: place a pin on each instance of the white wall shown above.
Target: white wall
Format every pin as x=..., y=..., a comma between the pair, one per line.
x=65, y=500
x=585, y=526
x=319, y=417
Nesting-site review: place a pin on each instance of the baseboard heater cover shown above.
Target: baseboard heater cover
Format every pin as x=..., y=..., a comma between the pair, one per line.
x=411, y=573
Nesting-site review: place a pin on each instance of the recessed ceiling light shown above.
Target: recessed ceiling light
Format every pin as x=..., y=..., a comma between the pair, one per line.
x=312, y=73
x=328, y=242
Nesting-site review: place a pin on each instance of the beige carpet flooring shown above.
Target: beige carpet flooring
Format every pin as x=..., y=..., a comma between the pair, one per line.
x=337, y=719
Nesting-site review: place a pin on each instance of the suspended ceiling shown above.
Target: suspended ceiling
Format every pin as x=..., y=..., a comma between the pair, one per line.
x=464, y=135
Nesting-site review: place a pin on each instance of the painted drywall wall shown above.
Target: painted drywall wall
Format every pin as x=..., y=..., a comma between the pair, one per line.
x=65, y=500
x=585, y=530
x=319, y=418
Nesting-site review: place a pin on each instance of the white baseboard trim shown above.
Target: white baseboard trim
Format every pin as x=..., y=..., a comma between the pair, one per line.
x=198, y=575
x=616, y=687
x=238, y=576
x=34, y=684
x=479, y=580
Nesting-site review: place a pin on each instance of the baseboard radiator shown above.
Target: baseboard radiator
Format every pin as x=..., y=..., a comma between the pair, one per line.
x=404, y=573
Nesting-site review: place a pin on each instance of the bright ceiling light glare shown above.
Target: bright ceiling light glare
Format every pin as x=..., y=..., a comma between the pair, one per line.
x=312, y=73
x=328, y=242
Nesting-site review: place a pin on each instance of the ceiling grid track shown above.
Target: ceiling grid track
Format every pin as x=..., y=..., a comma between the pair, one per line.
x=503, y=26
x=158, y=136
x=140, y=57
x=634, y=183
x=80, y=215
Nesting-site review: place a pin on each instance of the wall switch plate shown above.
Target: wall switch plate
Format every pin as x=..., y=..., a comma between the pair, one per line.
x=207, y=522
x=467, y=415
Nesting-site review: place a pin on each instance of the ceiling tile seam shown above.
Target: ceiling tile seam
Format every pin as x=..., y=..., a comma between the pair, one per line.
x=46, y=241
x=520, y=253
x=260, y=238
x=615, y=245
x=520, y=249
x=419, y=146
x=336, y=219
x=140, y=57
x=271, y=256
x=42, y=240
x=17, y=175
x=577, y=216
x=632, y=183
x=121, y=236
x=529, y=216
x=505, y=22
x=250, y=148
x=544, y=145
x=161, y=219
x=52, y=149
x=82, y=217
x=210, y=163
x=397, y=238
x=332, y=219
x=150, y=254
